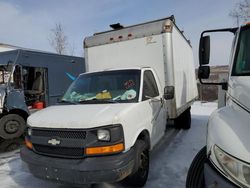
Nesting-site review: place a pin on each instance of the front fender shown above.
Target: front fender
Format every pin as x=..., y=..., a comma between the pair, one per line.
x=139, y=131
x=229, y=129
x=131, y=134
x=134, y=120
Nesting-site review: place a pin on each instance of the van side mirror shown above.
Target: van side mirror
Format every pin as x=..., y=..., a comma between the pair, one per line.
x=168, y=92
x=204, y=50
x=203, y=72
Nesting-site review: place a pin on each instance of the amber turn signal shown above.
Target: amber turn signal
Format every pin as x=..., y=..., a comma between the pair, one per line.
x=28, y=144
x=105, y=149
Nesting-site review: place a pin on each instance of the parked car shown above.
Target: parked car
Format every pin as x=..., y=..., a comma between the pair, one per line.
x=138, y=77
x=29, y=81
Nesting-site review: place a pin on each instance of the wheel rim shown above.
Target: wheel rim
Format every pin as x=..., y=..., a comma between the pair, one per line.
x=144, y=163
x=11, y=127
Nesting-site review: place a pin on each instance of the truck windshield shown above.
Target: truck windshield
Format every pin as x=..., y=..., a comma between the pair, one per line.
x=242, y=57
x=5, y=73
x=105, y=87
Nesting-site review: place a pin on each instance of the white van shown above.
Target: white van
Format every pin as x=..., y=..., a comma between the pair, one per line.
x=224, y=161
x=111, y=117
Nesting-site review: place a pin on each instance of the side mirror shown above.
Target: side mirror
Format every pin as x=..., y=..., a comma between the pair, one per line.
x=168, y=92
x=203, y=72
x=204, y=50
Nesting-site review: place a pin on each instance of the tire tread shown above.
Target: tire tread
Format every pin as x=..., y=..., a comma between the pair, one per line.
x=195, y=176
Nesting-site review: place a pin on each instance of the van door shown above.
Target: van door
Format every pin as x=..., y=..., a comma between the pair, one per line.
x=152, y=95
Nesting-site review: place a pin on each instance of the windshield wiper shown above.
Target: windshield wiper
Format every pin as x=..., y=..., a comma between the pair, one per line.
x=96, y=101
x=66, y=102
x=110, y=100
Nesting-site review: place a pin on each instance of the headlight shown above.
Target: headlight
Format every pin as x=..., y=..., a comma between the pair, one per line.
x=107, y=140
x=103, y=135
x=29, y=131
x=236, y=169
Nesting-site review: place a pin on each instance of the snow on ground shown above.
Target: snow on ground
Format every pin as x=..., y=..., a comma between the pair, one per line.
x=170, y=160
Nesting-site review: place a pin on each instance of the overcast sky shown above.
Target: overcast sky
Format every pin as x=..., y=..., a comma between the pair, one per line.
x=28, y=23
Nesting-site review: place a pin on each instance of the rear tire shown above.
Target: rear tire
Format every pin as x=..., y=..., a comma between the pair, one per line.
x=184, y=120
x=195, y=176
x=12, y=126
x=140, y=176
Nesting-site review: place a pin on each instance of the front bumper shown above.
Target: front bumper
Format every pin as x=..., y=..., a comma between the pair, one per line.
x=89, y=170
x=214, y=179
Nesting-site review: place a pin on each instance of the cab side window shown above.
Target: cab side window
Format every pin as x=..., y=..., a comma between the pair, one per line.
x=150, y=88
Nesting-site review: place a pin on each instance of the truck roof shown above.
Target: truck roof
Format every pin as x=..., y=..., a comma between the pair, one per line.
x=8, y=47
x=121, y=33
x=37, y=58
x=24, y=50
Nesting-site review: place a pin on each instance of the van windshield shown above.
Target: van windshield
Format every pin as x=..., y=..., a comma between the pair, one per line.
x=104, y=87
x=242, y=56
x=5, y=73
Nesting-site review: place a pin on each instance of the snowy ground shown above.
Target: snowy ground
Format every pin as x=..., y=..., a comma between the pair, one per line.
x=170, y=160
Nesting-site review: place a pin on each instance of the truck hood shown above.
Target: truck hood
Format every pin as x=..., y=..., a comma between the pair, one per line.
x=229, y=129
x=239, y=89
x=79, y=116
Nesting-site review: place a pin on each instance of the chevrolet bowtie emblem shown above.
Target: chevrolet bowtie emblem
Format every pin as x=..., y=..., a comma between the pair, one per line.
x=54, y=142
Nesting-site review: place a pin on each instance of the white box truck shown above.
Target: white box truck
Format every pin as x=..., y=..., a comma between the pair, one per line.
x=224, y=161
x=112, y=116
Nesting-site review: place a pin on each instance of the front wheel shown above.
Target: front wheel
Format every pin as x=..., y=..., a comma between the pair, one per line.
x=195, y=177
x=11, y=126
x=140, y=176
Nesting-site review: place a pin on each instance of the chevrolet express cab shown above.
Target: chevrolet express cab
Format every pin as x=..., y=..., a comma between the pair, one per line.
x=111, y=117
x=225, y=161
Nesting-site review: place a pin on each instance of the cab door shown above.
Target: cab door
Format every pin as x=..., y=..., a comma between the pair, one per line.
x=155, y=102
x=15, y=94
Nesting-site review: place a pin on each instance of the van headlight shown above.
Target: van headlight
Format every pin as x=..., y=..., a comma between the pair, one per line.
x=236, y=169
x=29, y=131
x=103, y=135
x=107, y=140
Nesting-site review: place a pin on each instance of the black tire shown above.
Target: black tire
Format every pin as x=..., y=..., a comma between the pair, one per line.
x=195, y=176
x=12, y=126
x=10, y=145
x=184, y=120
x=140, y=176
x=187, y=119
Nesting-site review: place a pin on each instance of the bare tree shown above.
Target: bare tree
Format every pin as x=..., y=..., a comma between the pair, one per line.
x=58, y=39
x=241, y=11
